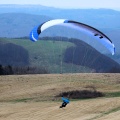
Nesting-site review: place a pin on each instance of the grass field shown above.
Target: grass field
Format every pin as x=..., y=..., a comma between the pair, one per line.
x=32, y=97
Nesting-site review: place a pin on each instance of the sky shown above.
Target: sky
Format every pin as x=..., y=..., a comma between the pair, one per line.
x=112, y=4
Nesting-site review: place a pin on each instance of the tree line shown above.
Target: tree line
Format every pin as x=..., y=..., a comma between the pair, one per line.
x=85, y=55
x=11, y=70
x=11, y=54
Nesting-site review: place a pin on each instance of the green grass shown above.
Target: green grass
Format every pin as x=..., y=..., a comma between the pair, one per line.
x=48, y=54
x=22, y=100
x=112, y=110
x=113, y=94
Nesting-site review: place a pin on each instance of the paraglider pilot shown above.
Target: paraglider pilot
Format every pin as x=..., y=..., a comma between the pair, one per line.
x=65, y=102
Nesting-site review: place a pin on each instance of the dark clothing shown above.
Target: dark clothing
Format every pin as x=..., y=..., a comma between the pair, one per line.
x=63, y=105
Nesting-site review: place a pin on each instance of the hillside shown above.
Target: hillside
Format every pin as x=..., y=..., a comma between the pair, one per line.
x=19, y=25
x=56, y=55
x=33, y=97
x=18, y=20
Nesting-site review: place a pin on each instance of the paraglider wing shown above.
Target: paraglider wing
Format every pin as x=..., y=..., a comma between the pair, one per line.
x=98, y=35
x=34, y=34
x=89, y=30
x=38, y=29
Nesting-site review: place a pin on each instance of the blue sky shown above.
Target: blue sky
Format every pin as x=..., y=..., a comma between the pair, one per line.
x=113, y=4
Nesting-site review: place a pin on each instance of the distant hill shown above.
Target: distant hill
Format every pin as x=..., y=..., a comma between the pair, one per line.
x=100, y=18
x=19, y=25
x=56, y=55
x=87, y=56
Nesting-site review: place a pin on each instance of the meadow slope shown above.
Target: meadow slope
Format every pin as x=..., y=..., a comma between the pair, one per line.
x=32, y=97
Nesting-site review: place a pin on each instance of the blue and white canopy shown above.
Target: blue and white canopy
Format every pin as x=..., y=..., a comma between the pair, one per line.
x=89, y=30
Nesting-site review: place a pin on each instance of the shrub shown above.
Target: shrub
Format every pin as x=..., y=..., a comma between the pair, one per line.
x=82, y=94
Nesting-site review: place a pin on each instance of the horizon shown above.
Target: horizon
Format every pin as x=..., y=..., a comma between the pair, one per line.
x=72, y=4
x=117, y=9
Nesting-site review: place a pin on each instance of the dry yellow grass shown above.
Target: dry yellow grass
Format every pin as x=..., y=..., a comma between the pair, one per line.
x=31, y=97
